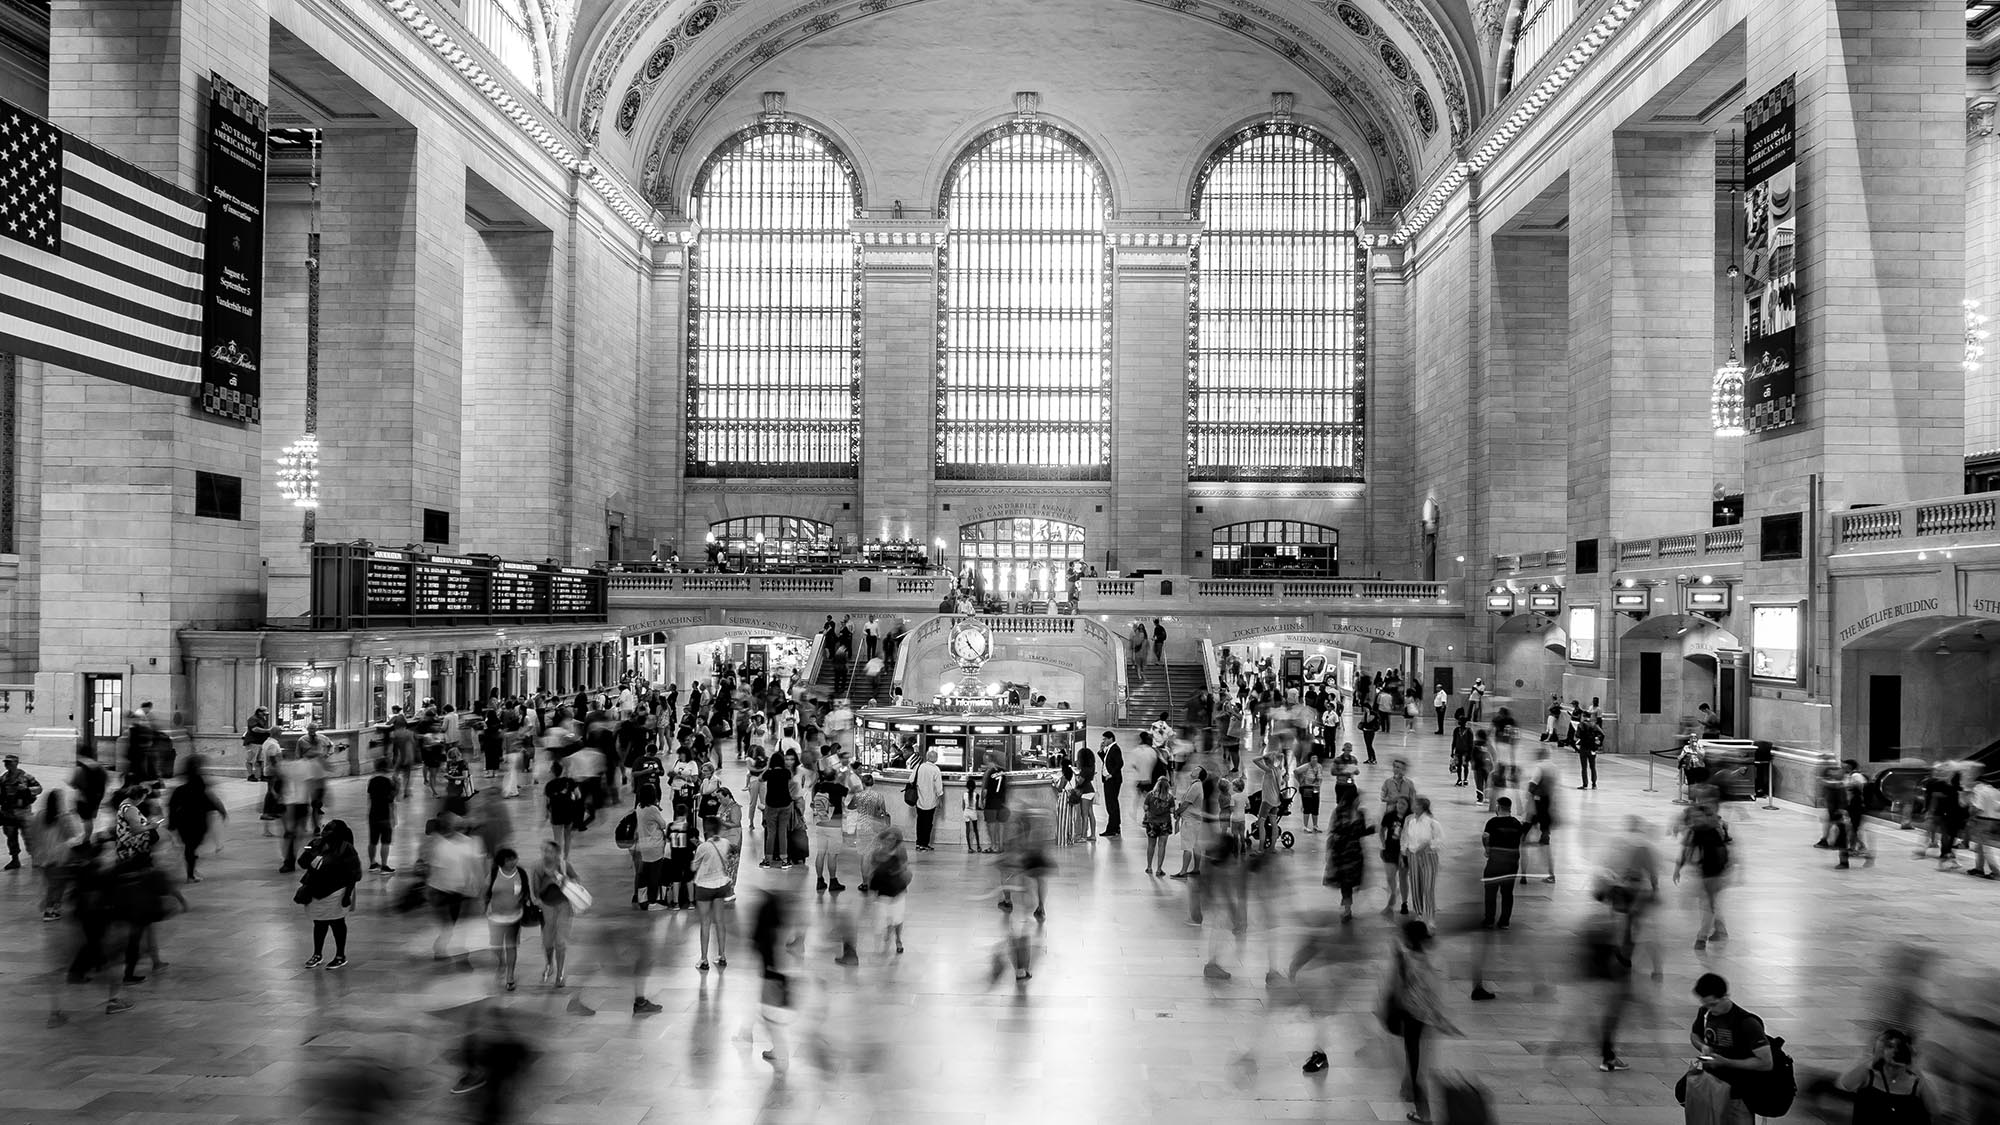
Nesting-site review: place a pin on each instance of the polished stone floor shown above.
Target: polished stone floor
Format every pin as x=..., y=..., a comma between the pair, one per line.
x=1118, y=1023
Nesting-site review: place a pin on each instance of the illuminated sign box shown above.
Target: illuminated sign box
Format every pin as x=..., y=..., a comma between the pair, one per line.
x=1705, y=599
x=1544, y=602
x=1631, y=601
x=1500, y=603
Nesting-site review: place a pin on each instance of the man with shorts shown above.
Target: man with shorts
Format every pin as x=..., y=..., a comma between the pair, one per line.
x=381, y=816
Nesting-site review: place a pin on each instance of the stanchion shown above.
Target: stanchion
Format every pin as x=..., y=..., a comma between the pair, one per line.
x=1649, y=775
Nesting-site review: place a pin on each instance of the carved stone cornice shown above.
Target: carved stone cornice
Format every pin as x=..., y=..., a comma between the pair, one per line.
x=898, y=232
x=1276, y=492
x=1979, y=113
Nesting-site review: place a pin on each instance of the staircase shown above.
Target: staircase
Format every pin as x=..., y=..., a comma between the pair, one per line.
x=1167, y=692
x=856, y=685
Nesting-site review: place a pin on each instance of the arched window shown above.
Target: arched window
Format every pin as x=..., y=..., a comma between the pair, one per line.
x=1020, y=556
x=506, y=28
x=1278, y=311
x=1024, y=377
x=771, y=541
x=773, y=309
x=1275, y=549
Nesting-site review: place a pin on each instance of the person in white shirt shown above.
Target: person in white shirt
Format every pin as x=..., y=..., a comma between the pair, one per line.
x=1439, y=702
x=1421, y=839
x=929, y=781
x=1984, y=831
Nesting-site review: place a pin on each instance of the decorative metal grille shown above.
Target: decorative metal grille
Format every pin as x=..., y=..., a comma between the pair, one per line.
x=1277, y=311
x=1275, y=549
x=774, y=311
x=1024, y=302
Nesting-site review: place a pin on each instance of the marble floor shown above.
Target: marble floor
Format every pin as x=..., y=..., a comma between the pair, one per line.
x=1118, y=1024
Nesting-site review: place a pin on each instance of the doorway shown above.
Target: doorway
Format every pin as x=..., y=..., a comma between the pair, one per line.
x=1725, y=704
x=104, y=711
x=1885, y=717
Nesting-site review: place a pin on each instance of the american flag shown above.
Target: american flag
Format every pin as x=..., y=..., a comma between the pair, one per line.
x=100, y=261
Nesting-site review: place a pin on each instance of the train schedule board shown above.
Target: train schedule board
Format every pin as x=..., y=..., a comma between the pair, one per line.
x=359, y=586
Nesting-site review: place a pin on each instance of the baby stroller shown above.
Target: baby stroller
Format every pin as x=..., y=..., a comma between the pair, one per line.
x=1270, y=827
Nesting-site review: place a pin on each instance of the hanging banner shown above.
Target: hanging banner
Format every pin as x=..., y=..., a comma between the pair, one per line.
x=1770, y=274
x=233, y=282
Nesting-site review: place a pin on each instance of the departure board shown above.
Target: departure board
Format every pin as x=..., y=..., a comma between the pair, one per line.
x=520, y=588
x=357, y=586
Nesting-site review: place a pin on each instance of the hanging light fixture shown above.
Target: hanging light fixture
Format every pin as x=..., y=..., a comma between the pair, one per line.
x=298, y=463
x=1725, y=396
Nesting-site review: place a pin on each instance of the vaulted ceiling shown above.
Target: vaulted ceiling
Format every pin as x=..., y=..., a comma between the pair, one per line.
x=1409, y=76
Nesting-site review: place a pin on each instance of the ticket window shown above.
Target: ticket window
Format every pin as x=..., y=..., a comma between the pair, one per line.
x=950, y=751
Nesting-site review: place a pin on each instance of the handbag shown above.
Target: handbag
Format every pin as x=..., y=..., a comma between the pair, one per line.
x=531, y=914
x=798, y=844
x=302, y=896
x=578, y=895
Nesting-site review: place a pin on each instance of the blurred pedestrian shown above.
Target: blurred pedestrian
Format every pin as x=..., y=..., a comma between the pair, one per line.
x=1888, y=1088
x=53, y=835
x=1412, y=1005
x=1345, y=854
x=188, y=810
x=1705, y=847
x=507, y=903
x=549, y=883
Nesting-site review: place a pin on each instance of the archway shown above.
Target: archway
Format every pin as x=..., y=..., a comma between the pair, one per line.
x=1921, y=688
x=1530, y=662
x=1668, y=666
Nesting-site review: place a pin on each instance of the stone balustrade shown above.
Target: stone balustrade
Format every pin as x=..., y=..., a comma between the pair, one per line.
x=1955, y=519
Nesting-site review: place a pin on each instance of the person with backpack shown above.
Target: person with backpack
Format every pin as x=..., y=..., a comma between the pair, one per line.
x=888, y=878
x=1735, y=1056
x=1705, y=846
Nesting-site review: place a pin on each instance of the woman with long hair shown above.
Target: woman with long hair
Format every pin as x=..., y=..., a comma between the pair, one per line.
x=51, y=835
x=506, y=904
x=547, y=883
x=711, y=877
x=188, y=810
x=326, y=890
x=1158, y=819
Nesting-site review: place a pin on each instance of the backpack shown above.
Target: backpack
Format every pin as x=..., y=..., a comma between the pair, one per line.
x=1770, y=1094
x=627, y=832
x=822, y=808
x=910, y=790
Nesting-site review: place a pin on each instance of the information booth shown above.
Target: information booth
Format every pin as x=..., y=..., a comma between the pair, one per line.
x=970, y=734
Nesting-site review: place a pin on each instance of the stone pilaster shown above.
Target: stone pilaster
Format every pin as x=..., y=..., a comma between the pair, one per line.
x=1386, y=459
x=1150, y=263
x=391, y=262
x=899, y=263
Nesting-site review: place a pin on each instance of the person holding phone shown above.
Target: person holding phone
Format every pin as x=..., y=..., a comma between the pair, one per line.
x=1732, y=1048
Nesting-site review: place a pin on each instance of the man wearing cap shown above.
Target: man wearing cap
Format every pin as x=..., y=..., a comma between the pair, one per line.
x=256, y=729
x=18, y=791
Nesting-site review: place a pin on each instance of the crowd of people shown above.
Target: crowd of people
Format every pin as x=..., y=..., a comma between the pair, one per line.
x=506, y=791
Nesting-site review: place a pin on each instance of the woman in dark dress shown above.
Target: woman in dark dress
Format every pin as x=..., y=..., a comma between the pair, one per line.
x=1344, y=859
x=188, y=809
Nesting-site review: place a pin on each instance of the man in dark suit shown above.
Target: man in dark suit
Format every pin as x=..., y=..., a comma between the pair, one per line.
x=1114, y=779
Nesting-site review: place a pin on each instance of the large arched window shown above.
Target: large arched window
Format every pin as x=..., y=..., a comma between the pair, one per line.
x=1024, y=379
x=773, y=379
x=1275, y=549
x=767, y=541
x=1278, y=311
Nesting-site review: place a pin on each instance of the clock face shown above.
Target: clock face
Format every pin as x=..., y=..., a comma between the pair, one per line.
x=970, y=642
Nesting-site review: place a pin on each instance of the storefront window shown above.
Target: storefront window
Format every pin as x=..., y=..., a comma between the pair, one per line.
x=1774, y=643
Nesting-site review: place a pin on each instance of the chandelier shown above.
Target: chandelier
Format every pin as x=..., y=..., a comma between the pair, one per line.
x=298, y=472
x=1725, y=395
x=1725, y=398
